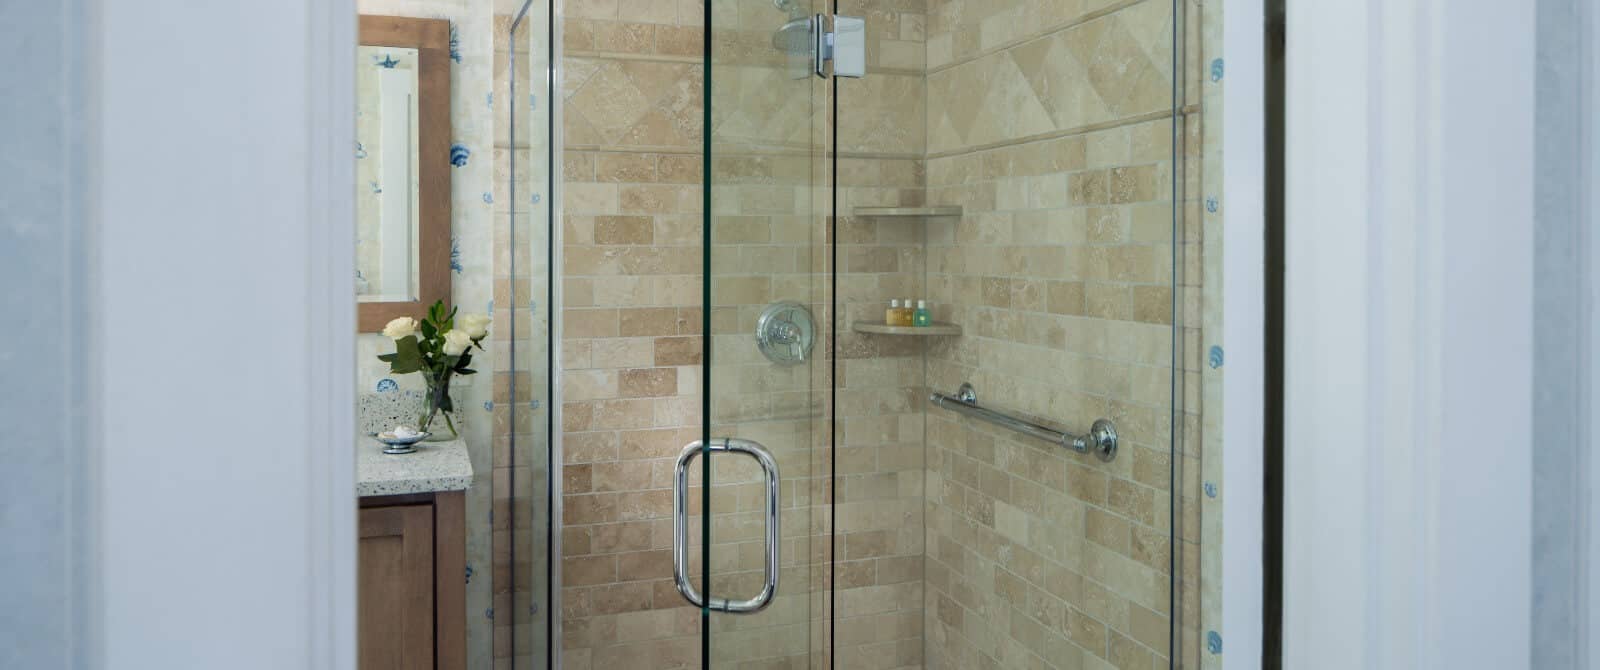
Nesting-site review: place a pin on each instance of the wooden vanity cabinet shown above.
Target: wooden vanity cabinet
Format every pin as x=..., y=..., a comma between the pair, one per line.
x=411, y=607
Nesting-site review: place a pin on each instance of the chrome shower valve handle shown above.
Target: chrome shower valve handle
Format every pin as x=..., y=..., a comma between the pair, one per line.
x=785, y=333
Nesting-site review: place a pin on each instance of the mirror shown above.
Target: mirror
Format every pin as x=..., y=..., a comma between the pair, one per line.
x=402, y=168
x=386, y=175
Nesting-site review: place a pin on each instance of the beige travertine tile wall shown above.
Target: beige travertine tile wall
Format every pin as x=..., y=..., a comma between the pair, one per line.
x=631, y=347
x=879, y=454
x=765, y=243
x=958, y=545
x=633, y=280
x=1062, y=273
x=632, y=341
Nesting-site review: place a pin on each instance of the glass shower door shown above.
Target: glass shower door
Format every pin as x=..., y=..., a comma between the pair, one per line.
x=1020, y=170
x=756, y=459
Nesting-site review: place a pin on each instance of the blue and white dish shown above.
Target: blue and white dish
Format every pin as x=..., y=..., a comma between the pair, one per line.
x=394, y=444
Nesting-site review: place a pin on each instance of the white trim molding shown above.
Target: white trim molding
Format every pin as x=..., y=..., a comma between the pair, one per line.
x=224, y=317
x=1564, y=331
x=330, y=343
x=1244, y=320
x=47, y=482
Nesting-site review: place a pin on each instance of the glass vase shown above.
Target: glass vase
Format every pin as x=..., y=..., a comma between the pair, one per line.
x=435, y=418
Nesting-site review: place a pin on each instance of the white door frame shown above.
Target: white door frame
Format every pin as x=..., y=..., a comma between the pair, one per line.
x=1408, y=349
x=331, y=401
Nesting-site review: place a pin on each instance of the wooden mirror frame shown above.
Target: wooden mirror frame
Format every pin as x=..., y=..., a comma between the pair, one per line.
x=431, y=39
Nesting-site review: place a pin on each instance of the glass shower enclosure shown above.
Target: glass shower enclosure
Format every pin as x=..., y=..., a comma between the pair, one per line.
x=739, y=454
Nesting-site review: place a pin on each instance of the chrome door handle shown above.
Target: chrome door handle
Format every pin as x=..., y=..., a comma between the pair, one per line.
x=680, y=526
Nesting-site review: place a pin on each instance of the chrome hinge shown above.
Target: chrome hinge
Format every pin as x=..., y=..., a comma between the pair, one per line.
x=845, y=46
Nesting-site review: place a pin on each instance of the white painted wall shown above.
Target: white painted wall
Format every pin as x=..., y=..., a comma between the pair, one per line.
x=1408, y=346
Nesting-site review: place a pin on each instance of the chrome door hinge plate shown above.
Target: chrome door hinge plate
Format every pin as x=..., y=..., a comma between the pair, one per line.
x=844, y=45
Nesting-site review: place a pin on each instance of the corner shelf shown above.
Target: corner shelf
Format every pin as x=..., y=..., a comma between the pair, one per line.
x=881, y=328
x=908, y=211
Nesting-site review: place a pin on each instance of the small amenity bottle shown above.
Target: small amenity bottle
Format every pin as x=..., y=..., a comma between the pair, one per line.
x=922, y=318
x=891, y=316
x=902, y=316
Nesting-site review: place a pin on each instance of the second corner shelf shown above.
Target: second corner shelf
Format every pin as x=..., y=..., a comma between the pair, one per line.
x=909, y=211
x=881, y=328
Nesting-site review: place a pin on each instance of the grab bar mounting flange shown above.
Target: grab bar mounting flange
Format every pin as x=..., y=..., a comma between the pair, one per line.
x=1101, y=439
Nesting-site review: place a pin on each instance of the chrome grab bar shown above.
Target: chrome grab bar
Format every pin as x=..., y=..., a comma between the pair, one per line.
x=1102, y=437
x=680, y=526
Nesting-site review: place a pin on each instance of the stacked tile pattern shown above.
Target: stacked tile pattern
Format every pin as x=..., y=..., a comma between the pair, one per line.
x=635, y=327
x=879, y=441
x=957, y=544
x=632, y=326
x=1062, y=273
x=522, y=282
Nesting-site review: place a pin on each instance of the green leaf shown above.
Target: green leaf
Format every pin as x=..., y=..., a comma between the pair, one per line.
x=387, y=358
x=407, y=356
x=428, y=330
x=466, y=371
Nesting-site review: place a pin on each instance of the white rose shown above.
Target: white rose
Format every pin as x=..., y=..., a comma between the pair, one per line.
x=455, y=342
x=476, y=325
x=401, y=327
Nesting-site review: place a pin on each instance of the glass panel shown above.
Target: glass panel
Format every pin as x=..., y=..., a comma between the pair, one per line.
x=884, y=477
x=523, y=527
x=763, y=241
x=1012, y=165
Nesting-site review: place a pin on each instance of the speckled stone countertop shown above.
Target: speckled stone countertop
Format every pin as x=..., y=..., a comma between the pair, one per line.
x=436, y=466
